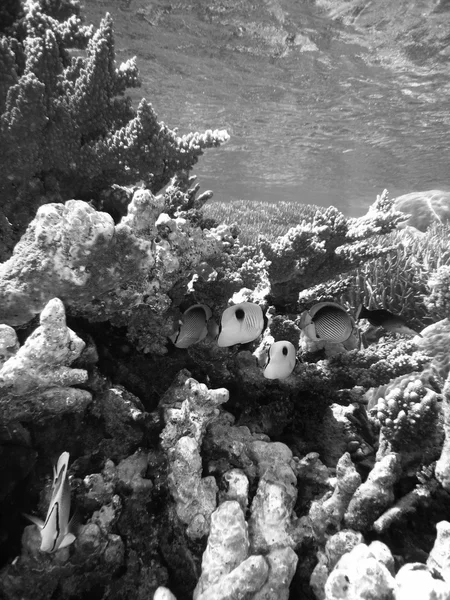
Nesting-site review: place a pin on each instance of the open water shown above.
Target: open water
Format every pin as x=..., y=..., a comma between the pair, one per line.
x=326, y=101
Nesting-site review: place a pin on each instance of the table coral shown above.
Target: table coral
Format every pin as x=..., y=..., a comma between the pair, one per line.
x=316, y=251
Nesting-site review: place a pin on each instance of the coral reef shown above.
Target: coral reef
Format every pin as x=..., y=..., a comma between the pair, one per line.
x=105, y=271
x=193, y=474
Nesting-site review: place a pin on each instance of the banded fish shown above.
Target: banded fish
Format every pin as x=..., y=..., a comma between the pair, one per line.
x=193, y=326
x=57, y=531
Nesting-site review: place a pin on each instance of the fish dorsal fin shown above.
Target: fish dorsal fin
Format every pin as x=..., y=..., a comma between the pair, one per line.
x=39, y=522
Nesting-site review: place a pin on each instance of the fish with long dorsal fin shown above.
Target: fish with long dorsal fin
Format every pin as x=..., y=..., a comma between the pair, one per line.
x=240, y=324
x=280, y=361
x=385, y=319
x=57, y=531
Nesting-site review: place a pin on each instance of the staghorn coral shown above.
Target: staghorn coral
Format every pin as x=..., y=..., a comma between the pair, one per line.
x=66, y=127
x=316, y=251
x=35, y=381
x=399, y=280
x=438, y=301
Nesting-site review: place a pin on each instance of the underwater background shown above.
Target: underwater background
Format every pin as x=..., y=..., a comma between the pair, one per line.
x=226, y=417
x=326, y=102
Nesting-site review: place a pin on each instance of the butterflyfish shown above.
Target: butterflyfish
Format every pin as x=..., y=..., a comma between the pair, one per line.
x=281, y=360
x=384, y=318
x=240, y=324
x=57, y=531
x=327, y=321
x=193, y=326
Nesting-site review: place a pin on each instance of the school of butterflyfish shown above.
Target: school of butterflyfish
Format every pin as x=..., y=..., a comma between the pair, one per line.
x=244, y=322
x=239, y=324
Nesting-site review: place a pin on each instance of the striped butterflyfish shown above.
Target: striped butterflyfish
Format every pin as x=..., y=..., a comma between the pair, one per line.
x=327, y=321
x=280, y=361
x=240, y=324
x=193, y=326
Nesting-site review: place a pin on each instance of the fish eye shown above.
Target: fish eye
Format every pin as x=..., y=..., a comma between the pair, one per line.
x=240, y=314
x=285, y=351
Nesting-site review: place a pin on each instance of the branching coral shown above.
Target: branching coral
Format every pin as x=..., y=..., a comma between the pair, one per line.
x=438, y=302
x=316, y=251
x=66, y=130
x=399, y=280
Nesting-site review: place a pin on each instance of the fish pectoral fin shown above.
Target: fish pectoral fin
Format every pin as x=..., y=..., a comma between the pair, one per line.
x=68, y=539
x=35, y=520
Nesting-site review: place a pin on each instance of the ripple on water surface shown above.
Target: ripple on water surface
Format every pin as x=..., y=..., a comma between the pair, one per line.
x=326, y=103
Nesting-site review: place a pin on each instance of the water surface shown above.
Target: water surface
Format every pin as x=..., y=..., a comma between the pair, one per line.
x=326, y=102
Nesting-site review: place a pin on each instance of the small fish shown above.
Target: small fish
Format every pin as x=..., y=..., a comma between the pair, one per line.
x=56, y=531
x=193, y=326
x=240, y=324
x=383, y=318
x=281, y=360
x=332, y=323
